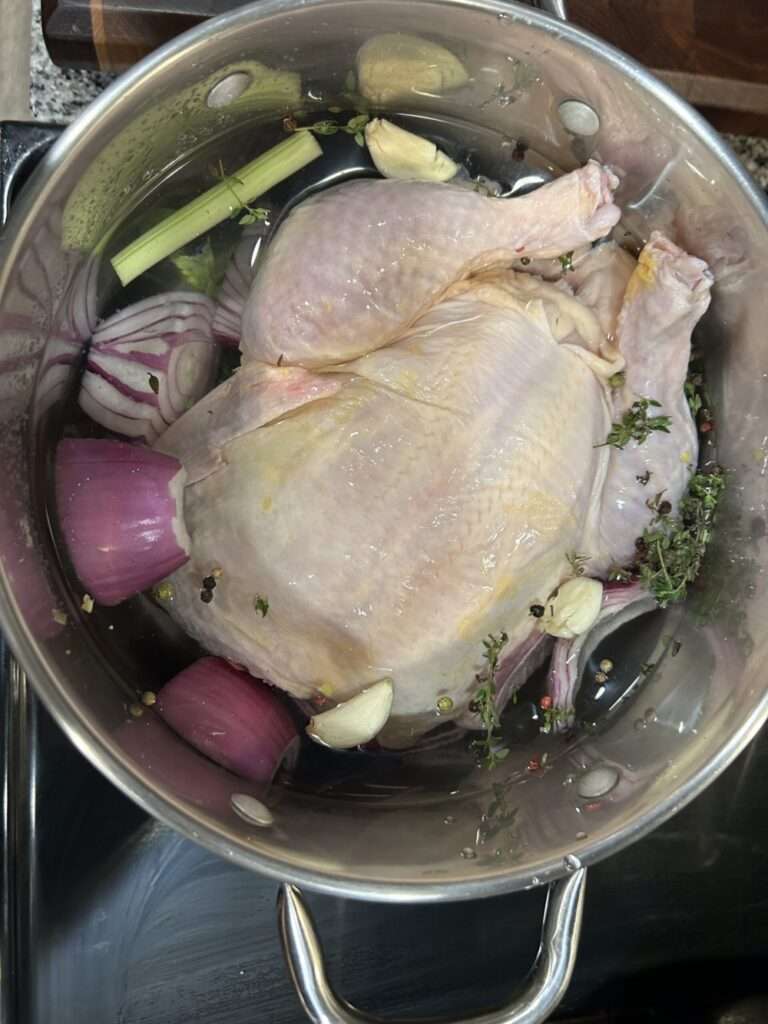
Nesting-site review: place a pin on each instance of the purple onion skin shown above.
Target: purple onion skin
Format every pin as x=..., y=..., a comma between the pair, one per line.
x=563, y=678
x=116, y=513
x=229, y=716
x=237, y=282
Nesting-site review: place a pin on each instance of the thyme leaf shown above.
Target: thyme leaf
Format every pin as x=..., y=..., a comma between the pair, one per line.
x=636, y=424
x=694, y=392
x=489, y=748
x=330, y=126
x=550, y=717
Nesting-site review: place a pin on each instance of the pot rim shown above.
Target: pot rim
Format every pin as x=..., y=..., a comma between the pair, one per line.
x=68, y=714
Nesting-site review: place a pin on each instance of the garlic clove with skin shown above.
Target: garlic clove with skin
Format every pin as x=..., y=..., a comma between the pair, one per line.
x=398, y=153
x=394, y=65
x=573, y=608
x=356, y=721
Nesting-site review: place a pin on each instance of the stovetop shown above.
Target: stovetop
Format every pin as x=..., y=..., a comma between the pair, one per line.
x=112, y=918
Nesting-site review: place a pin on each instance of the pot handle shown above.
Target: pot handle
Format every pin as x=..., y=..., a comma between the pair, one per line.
x=545, y=988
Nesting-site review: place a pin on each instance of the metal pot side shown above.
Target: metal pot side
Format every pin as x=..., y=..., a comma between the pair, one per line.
x=677, y=175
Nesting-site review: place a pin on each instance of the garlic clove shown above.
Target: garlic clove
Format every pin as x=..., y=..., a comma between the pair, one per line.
x=573, y=608
x=398, y=153
x=393, y=65
x=356, y=721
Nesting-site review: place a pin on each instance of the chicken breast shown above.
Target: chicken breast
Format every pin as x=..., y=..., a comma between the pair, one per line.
x=431, y=500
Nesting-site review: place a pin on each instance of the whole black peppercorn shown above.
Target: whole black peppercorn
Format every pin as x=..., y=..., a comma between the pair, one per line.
x=206, y=596
x=537, y=610
x=209, y=583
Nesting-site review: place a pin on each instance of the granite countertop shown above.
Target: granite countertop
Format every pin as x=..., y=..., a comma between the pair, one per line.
x=58, y=94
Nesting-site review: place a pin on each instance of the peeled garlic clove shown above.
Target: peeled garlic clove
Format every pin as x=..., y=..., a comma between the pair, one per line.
x=393, y=65
x=573, y=609
x=356, y=721
x=401, y=154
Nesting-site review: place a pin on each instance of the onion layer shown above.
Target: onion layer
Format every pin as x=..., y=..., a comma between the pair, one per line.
x=621, y=603
x=229, y=716
x=149, y=363
x=237, y=282
x=120, y=512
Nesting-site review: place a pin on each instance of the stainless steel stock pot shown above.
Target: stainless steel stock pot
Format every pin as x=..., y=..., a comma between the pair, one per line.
x=569, y=96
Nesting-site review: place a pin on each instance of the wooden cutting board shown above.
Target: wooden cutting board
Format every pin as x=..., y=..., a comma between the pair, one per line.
x=713, y=53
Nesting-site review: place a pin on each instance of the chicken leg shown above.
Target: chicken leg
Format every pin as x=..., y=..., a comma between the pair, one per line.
x=353, y=267
x=666, y=296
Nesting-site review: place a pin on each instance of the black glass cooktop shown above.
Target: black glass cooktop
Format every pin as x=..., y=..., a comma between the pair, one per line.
x=111, y=918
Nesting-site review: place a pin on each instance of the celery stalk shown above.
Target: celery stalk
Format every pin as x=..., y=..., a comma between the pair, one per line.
x=215, y=205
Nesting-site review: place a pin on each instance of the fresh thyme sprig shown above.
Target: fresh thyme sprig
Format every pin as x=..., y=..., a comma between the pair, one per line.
x=693, y=393
x=489, y=749
x=698, y=400
x=252, y=213
x=354, y=127
x=636, y=424
x=673, y=547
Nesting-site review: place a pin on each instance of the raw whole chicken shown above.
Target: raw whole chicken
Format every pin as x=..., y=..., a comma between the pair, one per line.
x=414, y=444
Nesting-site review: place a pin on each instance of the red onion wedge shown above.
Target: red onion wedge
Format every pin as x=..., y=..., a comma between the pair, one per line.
x=120, y=510
x=149, y=363
x=229, y=716
x=237, y=283
x=622, y=602
x=168, y=761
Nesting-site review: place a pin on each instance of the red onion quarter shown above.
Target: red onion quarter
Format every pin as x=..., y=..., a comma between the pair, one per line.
x=229, y=716
x=120, y=512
